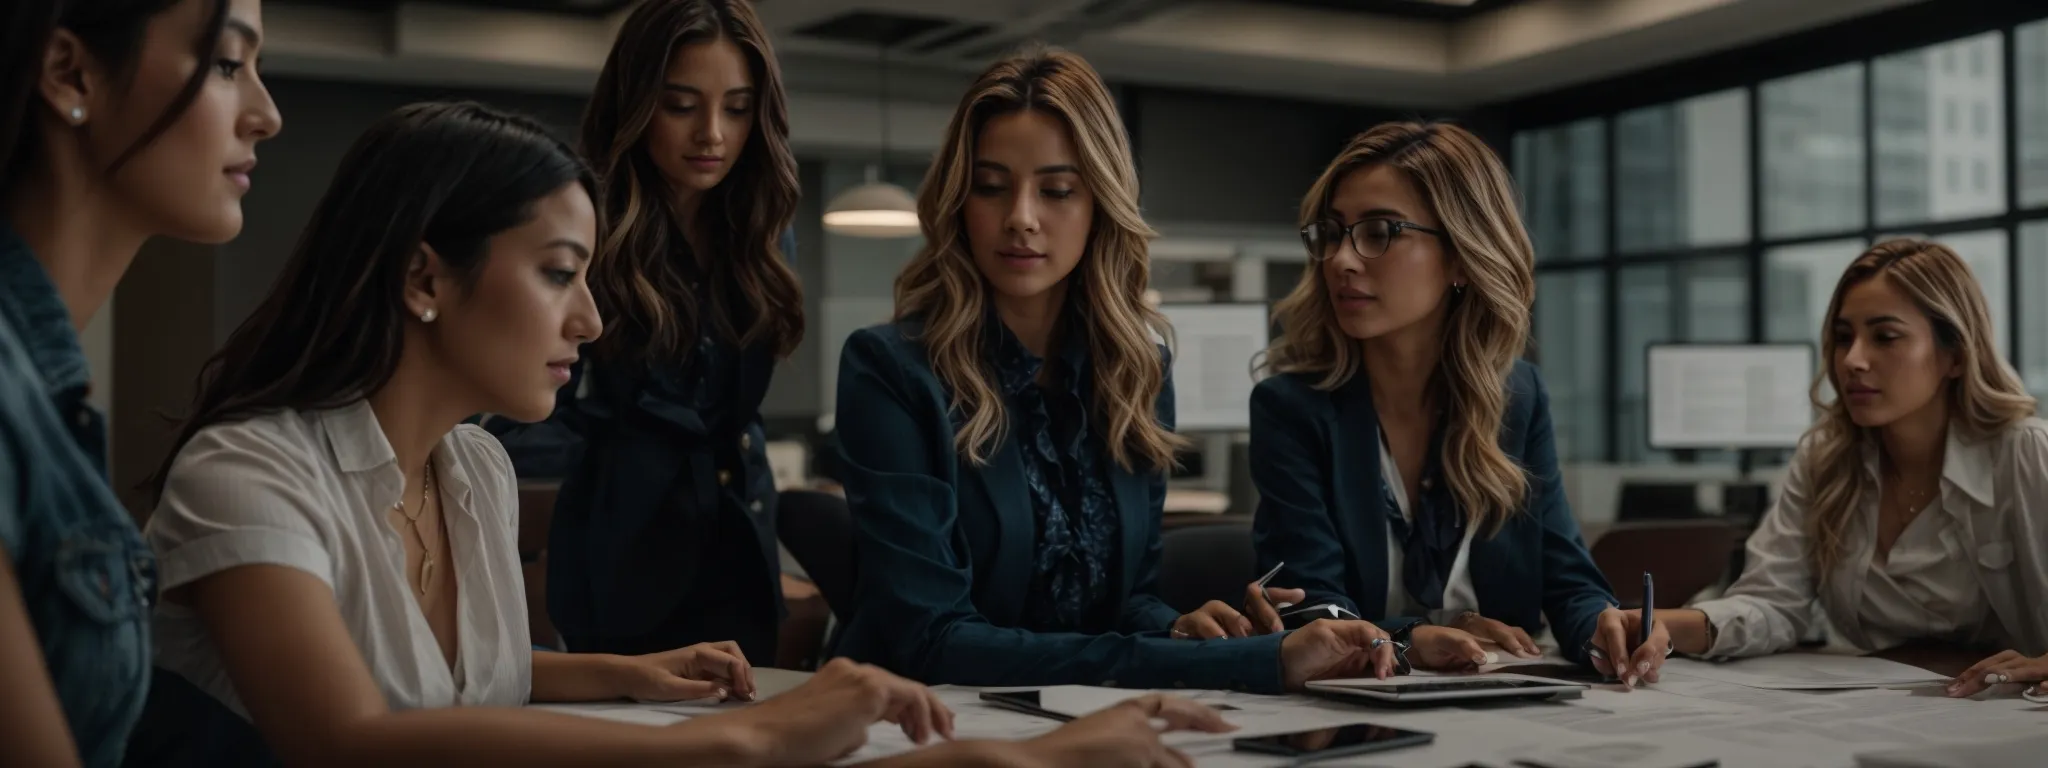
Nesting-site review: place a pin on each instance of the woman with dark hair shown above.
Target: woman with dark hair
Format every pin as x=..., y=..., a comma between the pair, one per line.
x=326, y=512
x=664, y=531
x=120, y=120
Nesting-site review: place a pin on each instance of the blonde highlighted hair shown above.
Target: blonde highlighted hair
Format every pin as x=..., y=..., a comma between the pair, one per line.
x=942, y=287
x=1487, y=326
x=1984, y=399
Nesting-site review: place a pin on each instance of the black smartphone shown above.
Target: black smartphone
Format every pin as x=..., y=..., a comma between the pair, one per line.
x=1033, y=703
x=1328, y=743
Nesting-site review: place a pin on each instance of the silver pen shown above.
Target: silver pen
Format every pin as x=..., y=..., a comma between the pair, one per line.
x=1267, y=578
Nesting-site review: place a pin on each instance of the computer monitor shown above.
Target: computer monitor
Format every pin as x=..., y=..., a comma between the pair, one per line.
x=1729, y=395
x=1212, y=363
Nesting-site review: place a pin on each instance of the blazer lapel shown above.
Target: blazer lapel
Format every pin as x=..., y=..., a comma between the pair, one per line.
x=1016, y=532
x=1357, y=505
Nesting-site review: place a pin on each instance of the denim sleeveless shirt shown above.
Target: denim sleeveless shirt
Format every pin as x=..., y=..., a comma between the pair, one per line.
x=86, y=577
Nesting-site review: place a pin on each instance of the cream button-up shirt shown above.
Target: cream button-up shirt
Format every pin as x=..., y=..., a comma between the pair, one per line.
x=310, y=491
x=1972, y=567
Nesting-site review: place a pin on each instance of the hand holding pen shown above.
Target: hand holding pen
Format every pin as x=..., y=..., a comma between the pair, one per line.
x=1264, y=604
x=1635, y=637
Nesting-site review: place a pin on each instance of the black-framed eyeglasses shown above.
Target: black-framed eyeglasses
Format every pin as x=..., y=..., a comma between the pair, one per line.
x=1369, y=238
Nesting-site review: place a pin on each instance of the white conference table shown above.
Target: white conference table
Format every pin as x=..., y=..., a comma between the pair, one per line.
x=1680, y=722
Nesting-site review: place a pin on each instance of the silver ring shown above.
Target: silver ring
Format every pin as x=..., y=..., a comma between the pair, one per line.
x=1376, y=643
x=1178, y=633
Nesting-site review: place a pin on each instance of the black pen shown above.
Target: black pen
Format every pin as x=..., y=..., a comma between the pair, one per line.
x=1649, y=609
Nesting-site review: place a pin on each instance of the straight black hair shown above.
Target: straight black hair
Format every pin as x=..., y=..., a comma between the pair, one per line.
x=438, y=174
x=113, y=30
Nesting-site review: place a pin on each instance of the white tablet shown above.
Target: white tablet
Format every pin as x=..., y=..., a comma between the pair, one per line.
x=1445, y=690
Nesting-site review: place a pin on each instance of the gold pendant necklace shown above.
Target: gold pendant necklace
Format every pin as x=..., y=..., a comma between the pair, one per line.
x=413, y=520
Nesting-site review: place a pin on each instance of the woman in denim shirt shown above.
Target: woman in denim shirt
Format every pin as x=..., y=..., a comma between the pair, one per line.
x=86, y=176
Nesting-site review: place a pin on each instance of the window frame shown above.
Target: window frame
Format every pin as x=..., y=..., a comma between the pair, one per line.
x=1860, y=41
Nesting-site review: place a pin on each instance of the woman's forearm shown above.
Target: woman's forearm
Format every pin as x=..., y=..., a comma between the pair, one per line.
x=975, y=754
x=1688, y=628
x=565, y=677
x=437, y=738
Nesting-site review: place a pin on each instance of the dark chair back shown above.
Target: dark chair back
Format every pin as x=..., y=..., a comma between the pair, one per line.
x=1658, y=501
x=818, y=530
x=1685, y=557
x=1206, y=562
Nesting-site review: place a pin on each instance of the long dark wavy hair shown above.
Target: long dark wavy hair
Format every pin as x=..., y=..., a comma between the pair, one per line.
x=113, y=30
x=439, y=174
x=646, y=296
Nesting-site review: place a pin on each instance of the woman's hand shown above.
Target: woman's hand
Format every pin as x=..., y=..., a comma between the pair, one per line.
x=1330, y=649
x=2006, y=667
x=1614, y=637
x=1263, y=606
x=1510, y=638
x=704, y=671
x=1127, y=735
x=828, y=716
x=1444, y=649
x=1211, y=621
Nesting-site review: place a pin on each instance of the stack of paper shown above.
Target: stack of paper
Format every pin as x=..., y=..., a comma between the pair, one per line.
x=1806, y=672
x=2030, y=750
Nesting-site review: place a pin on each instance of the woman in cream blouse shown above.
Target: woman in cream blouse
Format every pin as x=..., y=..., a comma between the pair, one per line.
x=1917, y=507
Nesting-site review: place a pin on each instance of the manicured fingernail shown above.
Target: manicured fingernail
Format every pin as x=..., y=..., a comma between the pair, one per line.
x=1643, y=666
x=720, y=693
x=1994, y=678
x=1632, y=680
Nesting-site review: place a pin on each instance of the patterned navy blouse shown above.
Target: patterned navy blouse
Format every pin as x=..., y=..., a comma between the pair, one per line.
x=1077, y=521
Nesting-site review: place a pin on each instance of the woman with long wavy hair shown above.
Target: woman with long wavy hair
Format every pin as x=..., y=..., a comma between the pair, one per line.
x=1402, y=450
x=325, y=512
x=1007, y=437
x=664, y=530
x=1916, y=506
x=120, y=121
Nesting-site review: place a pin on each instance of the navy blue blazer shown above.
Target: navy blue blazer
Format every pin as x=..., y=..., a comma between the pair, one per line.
x=1330, y=526
x=945, y=550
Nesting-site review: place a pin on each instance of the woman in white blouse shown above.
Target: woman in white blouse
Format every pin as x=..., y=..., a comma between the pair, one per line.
x=338, y=555
x=1916, y=508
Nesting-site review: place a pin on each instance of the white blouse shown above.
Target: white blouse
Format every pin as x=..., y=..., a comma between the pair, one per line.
x=1459, y=596
x=310, y=491
x=1972, y=567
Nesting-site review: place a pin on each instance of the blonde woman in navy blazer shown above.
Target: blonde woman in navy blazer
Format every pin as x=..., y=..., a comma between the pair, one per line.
x=1006, y=438
x=1403, y=453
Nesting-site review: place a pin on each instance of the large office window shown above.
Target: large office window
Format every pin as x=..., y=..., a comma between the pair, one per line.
x=2033, y=283
x=1571, y=329
x=1799, y=280
x=1940, y=133
x=2030, y=48
x=1683, y=174
x=1563, y=173
x=1813, y=152
x=1729, y=226
x=1705, y=300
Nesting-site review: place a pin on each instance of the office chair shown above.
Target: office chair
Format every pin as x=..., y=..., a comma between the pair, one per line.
x=818, y=530
x=1658, y=501
x=1687, y=556
x=1206, y=562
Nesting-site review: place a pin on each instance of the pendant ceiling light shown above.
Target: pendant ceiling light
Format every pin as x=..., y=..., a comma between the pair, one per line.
x=876, y=208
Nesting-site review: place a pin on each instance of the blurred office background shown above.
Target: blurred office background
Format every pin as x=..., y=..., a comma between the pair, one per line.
x=1693, y=170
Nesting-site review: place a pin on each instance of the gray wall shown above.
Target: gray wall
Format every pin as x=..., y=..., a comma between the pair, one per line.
x=321, y=120
x=1233, y=160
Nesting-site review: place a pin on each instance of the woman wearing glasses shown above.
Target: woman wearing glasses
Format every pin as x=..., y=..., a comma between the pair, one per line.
x=1402, y=451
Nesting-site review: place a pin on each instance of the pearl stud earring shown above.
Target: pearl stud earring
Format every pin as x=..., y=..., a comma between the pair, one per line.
x=77, y=115
x=428, y=316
